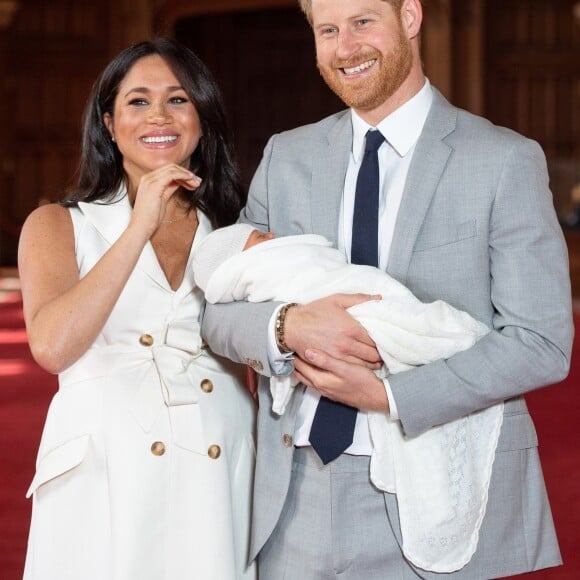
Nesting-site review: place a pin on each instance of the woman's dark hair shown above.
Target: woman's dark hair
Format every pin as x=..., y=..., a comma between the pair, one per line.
x=101, y=172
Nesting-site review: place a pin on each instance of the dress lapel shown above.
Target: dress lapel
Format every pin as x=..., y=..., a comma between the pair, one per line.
x=427, y=166
x=111, y=220
x=328, y=172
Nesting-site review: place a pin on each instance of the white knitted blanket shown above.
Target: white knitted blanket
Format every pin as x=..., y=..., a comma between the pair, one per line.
x=441, y=477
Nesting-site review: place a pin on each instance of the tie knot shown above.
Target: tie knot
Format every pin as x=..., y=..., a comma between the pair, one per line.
x=373, y=140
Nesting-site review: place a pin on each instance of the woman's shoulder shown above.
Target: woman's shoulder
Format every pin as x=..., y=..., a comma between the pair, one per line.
x=47, y=218
x=49, y=211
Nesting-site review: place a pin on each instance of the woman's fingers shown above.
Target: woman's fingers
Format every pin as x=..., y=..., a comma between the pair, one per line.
x=155, y=191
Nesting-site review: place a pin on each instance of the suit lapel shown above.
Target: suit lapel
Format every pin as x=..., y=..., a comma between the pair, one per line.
x=427, y=166
x=111, y=220
x=328, y=172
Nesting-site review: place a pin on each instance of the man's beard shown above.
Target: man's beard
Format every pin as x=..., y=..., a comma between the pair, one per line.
x=368, y=94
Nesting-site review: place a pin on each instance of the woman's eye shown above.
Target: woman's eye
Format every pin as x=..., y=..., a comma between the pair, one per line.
x=178, y=100
x=138, y=101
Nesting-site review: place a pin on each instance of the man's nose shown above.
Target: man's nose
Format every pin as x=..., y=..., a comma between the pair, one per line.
x=346, y=44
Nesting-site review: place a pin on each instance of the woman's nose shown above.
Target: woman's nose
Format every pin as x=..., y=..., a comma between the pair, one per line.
x=158, y=113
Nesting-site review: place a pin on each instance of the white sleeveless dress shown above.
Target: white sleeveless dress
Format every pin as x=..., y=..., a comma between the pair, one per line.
x=145, y=467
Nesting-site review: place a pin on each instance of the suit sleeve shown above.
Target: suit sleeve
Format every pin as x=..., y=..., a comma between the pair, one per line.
x=529, y=291
x=239, y=330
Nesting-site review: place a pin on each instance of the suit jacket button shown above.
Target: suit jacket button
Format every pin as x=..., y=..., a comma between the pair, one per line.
x=146, y=340
x=206, y=386
x=288, y=441
x=214, y=451
x=158, y=448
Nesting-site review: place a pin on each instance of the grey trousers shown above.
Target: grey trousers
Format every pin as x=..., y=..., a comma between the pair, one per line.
x=334, y=525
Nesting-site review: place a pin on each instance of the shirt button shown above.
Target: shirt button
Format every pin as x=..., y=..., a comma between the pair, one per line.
x=206, y=386
x=288, y=441
x=146, y=340
x=214, y=451
x=158, y=448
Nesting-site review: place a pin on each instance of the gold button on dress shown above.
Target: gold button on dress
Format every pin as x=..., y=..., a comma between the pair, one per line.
x=146, y=340
x=158, y=448
x=214, y=451
x=206, y=386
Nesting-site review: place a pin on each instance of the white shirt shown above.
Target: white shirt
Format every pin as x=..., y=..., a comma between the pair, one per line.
x=401, y=130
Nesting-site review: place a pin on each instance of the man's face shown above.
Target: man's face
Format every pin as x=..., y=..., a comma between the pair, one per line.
x=362, y=49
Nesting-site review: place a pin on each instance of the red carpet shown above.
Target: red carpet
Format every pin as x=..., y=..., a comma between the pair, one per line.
x=25, y=392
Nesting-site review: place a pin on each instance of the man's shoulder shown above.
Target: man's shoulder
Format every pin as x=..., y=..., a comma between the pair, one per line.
x=316, y=130
x=480, y=129
x=473, y=136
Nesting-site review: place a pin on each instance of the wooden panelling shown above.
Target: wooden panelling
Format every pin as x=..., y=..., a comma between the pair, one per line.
x=573, y=241
x=169, y=12
x=54, y=51
x=533, y=80
x=52, y=54
x=264, y=63
x=516, y=61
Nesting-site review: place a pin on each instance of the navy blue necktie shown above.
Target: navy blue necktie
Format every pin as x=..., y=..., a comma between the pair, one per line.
x=332, y=429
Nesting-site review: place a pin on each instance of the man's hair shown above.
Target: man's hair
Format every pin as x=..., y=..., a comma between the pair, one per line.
x=306, y=6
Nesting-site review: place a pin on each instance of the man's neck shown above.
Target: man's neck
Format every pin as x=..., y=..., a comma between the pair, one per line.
x=410, y=87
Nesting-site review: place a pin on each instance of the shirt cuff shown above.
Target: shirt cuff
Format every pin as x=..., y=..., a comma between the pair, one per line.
x=393, y=413
x=278, y=360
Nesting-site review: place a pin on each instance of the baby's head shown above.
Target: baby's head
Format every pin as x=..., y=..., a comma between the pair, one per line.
x=257, y=237
x=222, y=244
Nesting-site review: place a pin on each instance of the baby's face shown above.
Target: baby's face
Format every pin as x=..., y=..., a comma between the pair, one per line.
x=257, y=237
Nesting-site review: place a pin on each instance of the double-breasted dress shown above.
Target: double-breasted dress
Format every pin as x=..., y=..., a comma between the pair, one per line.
x=146, y=460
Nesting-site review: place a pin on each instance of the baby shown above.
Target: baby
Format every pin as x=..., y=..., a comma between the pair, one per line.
x=441, y=477
x=241, y=263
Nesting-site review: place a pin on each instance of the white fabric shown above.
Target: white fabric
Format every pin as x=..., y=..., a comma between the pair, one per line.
x=106, y=507
x=401, y=130
x=441, y=477
x=227, y=242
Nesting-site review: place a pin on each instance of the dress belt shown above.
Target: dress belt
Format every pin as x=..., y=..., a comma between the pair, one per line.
x=165, y=381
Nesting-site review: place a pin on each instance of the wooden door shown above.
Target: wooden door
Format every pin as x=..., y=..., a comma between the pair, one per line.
x=265, y=65
x=532, y=81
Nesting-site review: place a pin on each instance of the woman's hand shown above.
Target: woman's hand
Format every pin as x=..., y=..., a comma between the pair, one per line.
x=155, y=191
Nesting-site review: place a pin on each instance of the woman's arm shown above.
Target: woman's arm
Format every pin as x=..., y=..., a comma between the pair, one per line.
x=63, y=313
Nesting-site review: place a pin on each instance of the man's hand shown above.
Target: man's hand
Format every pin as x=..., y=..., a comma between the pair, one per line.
x=352, y=384
x=325, y=325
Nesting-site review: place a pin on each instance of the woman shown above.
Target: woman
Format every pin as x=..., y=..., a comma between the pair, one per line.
x=144, y=469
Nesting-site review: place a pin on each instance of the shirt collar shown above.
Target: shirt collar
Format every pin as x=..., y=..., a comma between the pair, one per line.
x=401, y=128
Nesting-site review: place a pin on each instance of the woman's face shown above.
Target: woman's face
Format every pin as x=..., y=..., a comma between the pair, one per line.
x=154, y=122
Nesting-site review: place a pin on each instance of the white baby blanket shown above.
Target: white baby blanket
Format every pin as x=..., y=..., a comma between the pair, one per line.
x=440, y=477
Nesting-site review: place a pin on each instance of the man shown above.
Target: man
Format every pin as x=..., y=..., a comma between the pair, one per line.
x=464, y=215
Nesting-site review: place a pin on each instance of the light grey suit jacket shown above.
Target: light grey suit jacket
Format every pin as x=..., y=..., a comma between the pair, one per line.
x=476, y=228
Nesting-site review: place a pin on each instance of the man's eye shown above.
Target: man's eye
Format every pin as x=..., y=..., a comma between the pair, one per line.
x=327, y=31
